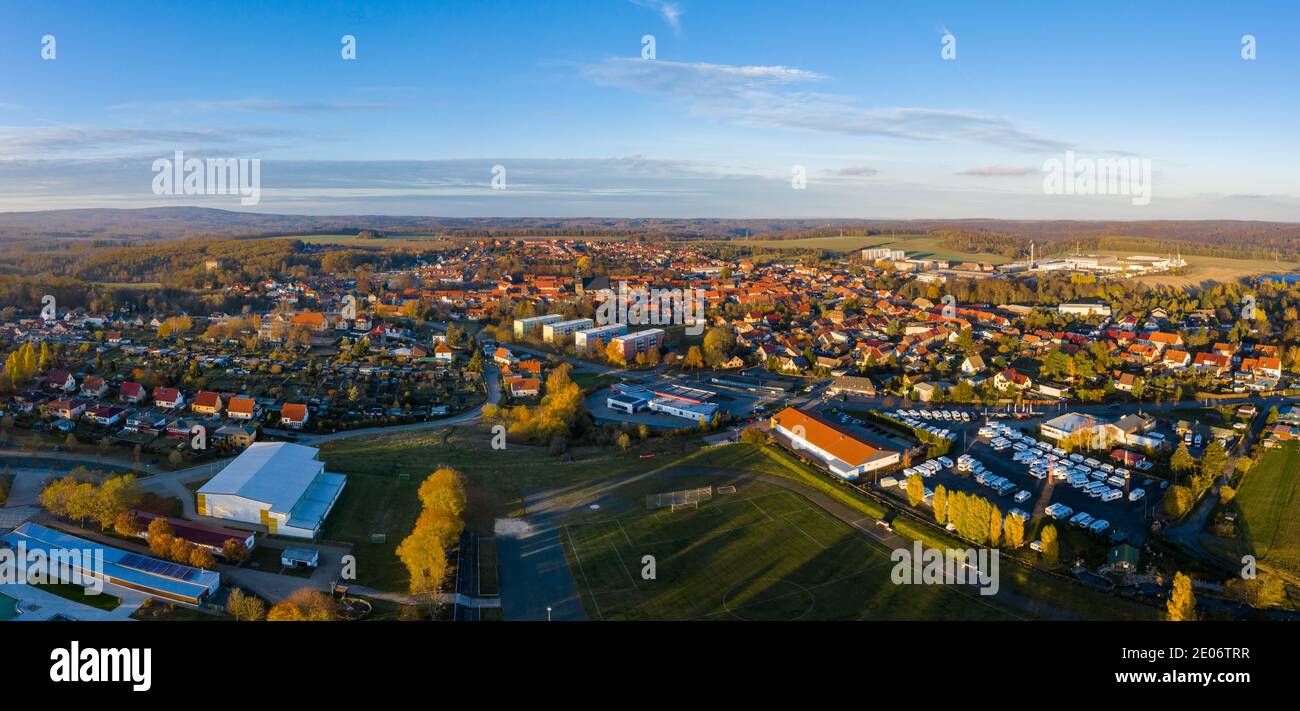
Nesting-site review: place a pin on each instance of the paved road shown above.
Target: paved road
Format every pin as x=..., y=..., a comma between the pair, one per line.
x=534, y=573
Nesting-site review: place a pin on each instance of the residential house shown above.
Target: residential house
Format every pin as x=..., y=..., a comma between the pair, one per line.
x=93, y=386
x=169, y=398
x=973, y=365
x=293, y=415
x=206, y=403
x=60, y=380
x=131, y=392
x=1011, y=378
x=241, y=408
x=106, y=415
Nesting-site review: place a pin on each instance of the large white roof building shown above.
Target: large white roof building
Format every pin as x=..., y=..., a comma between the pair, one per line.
x=275, y=484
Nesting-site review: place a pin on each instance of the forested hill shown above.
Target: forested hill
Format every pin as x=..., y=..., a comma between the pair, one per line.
x=1244, y=238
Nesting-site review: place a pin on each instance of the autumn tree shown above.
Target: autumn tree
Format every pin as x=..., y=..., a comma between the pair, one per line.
x=1051, y=544
x=127, y=524
x=1013, y=530
x=117, y=495
x=1181, y=461
x=694, y=358
x=718, y=343
x=426, y=562
x=159, y=536
x=305, y=605
x=940, y=505
x=915, y=490
x=1178, y=501
x=444, y=490
x=235, y=552
x=244, y=607
x=614, y=354
x=201, y=557
x=1181, y=605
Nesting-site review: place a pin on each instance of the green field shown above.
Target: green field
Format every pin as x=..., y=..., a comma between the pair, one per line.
x=417, y=241
x=377, y=500
x=834, y=244
x=77, y=593
x=1269, y=506
x=736, y=553
x=762, y=553
x=393, y=242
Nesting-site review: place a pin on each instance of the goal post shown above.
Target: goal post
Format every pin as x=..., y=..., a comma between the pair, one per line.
x=675, y=500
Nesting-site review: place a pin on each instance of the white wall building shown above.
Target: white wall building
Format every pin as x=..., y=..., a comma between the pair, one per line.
x=525, y=325
x=275, y=484
x=559, y=330
x=583, y=340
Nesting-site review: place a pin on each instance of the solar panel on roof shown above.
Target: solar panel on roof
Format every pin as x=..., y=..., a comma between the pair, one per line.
x=159, y=567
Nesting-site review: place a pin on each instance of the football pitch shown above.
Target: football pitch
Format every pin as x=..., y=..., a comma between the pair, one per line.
x=761, y=553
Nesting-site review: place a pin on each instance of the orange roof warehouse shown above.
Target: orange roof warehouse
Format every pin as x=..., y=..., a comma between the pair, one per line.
x=841, y=451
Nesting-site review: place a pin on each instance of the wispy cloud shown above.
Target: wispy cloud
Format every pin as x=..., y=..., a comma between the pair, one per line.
x=670, y=11
x=771, y=96
x=76, y=141
x=999, y=171
x=855, y=171
x=274, y=106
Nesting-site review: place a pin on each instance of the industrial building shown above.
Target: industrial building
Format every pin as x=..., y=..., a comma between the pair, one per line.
x=668, y=399
x=1059, y=428
x=275, y=484
x=160, y=578
x=841, y=451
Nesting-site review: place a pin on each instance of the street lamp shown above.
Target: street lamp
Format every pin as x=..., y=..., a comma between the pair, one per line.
x=548, y=614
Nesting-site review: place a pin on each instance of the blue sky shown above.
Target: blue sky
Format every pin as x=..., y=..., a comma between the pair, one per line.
x=738, y=95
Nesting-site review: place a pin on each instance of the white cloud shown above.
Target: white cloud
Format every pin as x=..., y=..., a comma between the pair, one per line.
x=77, y=141
x=670, y=11
x=768, y=96
x=999, y=171
x=275, y=106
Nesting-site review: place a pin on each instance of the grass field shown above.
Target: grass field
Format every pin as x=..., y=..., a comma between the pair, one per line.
x=834, y=244
x=1213, y=269
x=1269, y=506
x=394, y=242
x=77, y=593
x=914, y=245
x=762, y=553
x=377, y=500
x=720, y=562
x=413, y=241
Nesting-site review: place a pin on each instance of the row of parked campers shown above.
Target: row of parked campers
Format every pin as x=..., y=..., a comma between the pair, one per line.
x=944, y=415
x=930, y=468
x=918, y=424
x=1078, y=520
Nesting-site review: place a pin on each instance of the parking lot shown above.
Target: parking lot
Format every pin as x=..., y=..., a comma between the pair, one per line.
x=997, y=475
